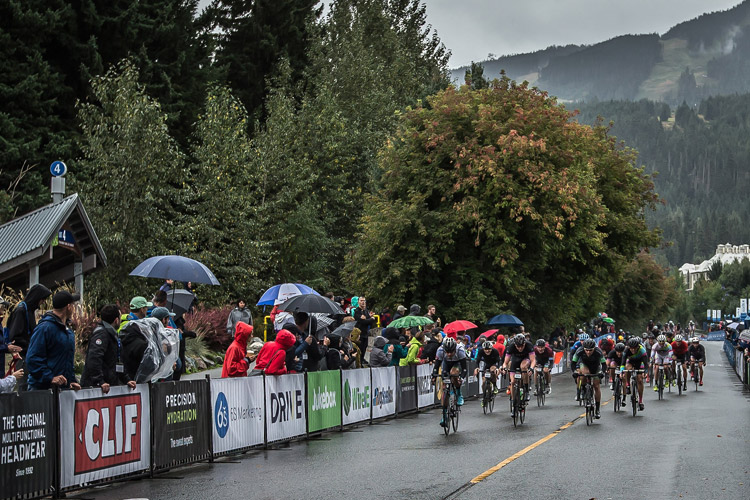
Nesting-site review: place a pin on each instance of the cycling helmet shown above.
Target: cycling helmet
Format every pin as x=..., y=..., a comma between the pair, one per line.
x=486, y=344
x=589, y=344
x=696, y=340
x=620, y=347
x=644, y=335
x=541, y=343
x=691, y=322
x=579, y=331
x=519, y=339
x=584, y=336
x=449, y=344
x=661, y=339
x=633, y=342
x=678, y=338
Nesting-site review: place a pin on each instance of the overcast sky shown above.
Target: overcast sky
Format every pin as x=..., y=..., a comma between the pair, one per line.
x=471, y=29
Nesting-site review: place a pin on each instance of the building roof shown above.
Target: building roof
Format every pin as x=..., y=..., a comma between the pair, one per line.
x=33, y=233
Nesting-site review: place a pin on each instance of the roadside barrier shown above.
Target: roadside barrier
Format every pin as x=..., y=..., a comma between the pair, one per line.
x=129, y=433
x=739, y=361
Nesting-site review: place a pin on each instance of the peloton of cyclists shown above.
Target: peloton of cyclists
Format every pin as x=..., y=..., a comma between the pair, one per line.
x=545, y=357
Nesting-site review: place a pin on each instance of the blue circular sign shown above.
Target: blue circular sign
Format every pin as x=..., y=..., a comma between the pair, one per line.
x=58, y=169
x=221, y=415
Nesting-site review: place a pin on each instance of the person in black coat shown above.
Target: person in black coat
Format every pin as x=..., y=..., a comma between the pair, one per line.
x=102, y=356
x=22, y=322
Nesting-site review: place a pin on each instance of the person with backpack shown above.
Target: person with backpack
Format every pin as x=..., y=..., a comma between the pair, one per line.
x=103, y=366
x=21, y=324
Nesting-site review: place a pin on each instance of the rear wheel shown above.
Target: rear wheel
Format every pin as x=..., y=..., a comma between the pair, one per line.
x=451, y=412
x=660, y=384
x=456, y=414
x=446, y=427
x=679, y=379
x=618, y=393
x=516, y=406
x=491, y=403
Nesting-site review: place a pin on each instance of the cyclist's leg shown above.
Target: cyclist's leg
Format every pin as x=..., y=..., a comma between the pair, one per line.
x=525, y=373
x=456, y=380
x=700, y=369
x=547, y=377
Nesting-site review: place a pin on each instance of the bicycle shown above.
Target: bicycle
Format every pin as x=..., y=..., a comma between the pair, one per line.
x=617, y=389
x=488, y=393
x=670, y=379
x=634, y=389
x=660, y=381
x=587, y=395
x=451, y=410
x=541, y=386
x=678, y=369
x=695, y=374
x=518, y=399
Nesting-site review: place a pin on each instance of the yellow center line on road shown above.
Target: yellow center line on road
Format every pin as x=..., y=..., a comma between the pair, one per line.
x=484, y=475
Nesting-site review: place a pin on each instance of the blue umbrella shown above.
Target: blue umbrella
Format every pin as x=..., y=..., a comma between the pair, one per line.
x=278, y=294
x=504, y=320
x=175, y=267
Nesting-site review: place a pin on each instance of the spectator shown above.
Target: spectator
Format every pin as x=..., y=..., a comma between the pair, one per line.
x=103, y=353
x=139, y=307
x=400, y=313
x=310, y=353
x=160, y=300
x=348, y=353
x=8, y=383
x=412, y=356
x=10, y=348
x=21, y=324
x=399, y=351
x=150, y=348
x=237, y=359
x=431, y=346
x=272, y=356
x=415, y=310
x=357, y=353
x=167, y=286
x=380, y=355
x=296, y=356
x=334, y=354
x=432, y=314
x=52, y=349
x=385, y=316
x=365, y=321
x=239, y=313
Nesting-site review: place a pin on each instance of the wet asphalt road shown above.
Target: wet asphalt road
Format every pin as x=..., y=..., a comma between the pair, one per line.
x=692, y=446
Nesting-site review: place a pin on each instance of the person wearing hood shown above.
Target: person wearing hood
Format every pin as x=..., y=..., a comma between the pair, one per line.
x=335, y=357
x=432, y=345
x=52, y=348
x=237, y=360
x=239, y=313
x=412, y=356
x=381, y=355
x=21, y=324
x=272, y=356
x=349, y=353
x=391, y=334
x=357, y=352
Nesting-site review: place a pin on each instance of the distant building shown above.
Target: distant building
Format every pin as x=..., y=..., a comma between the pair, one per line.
x=726, y=254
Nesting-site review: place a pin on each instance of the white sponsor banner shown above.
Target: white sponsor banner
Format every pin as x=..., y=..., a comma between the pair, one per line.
x=285, y=406
x=355, y=395
x=737, y=313
x=383, y=391
x=718, y=315
x=103, y=436
x=425, y=390
x=743, y=306
x=708, y=314
x=237, y=409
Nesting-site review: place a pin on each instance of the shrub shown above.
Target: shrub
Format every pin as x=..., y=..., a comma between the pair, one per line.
x=210, y=326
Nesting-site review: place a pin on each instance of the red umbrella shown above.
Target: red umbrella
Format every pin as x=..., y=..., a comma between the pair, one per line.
x=459, y=326
x=488, y=333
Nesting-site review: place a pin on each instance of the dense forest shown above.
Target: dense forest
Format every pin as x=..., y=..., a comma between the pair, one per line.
x=699, y=159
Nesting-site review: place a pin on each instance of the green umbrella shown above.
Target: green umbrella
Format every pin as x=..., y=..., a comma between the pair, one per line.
x=608, y=320
x=409, y=321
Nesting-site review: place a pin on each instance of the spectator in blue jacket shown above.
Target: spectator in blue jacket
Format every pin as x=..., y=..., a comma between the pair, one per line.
x=52, y=348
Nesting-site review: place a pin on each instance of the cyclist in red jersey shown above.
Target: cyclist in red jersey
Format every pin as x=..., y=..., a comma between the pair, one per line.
x=679, y=353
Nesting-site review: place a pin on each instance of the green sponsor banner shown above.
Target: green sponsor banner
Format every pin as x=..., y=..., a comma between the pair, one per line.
x=323, y=400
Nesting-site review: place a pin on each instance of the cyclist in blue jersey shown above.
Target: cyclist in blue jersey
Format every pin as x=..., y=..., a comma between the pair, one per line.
x=635, y=357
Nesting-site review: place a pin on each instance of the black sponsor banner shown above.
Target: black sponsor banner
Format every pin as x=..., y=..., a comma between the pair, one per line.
x=182, y=422
x=407, y=388
x=28, y=444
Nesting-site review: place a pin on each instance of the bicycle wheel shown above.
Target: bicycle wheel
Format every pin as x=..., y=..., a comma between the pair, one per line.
x=544, y=391
x=492, y=402
x=589, y=404
x=679, y=380
x=485, y=397
x=618, y=394
x=446, y=427
x=670, y=381
x=660, y=384
x=516, y=406
x=633, y=397
x=696, y=377
x=454, y=419
x=451, y=411
x=539, y=391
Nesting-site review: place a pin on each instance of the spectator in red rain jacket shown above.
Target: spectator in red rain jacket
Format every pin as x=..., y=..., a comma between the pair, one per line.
x=272, y=356
x=236, y=360
x=500, y=345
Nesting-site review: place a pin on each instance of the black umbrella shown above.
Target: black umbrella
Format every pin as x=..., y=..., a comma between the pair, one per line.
x=344, y=329
x=311, y=303
x=180, y=301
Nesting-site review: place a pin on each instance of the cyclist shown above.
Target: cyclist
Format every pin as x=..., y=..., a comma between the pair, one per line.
x=691, y=328
x=661, y=355
x=519, y=355
x=634, y=358
x=613, y=361
x=697, y=355
x=452, y=359
x=590, y=359
x=582, y=337
x=679, y=353
x=545, y=357
x=491, y=359
x=607, y=344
